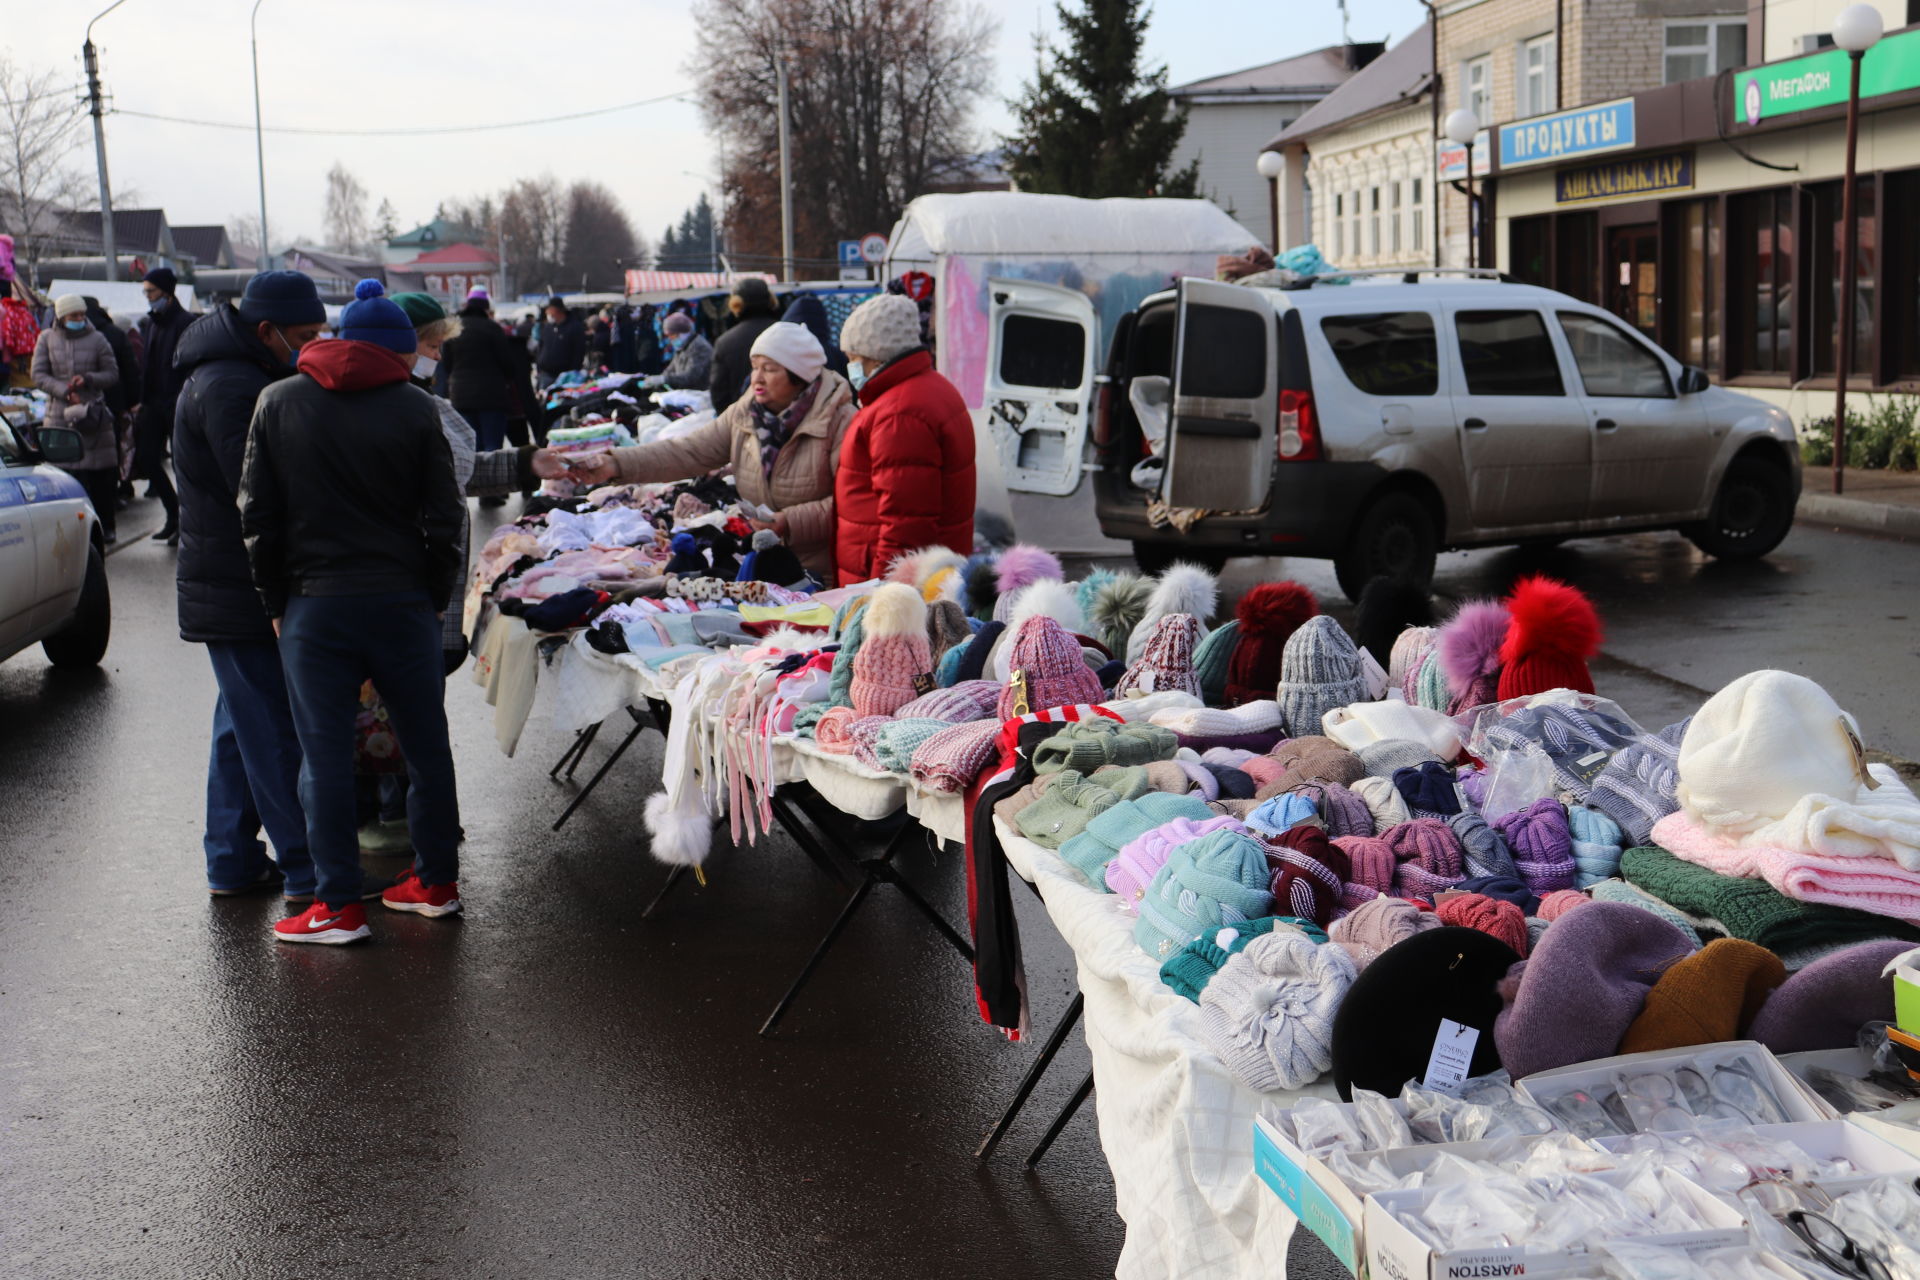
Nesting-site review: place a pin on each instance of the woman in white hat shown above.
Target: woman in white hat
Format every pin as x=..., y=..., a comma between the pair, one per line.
x=74, y=364
x=782, y=439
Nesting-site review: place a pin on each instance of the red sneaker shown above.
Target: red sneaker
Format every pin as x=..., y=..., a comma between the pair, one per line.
x=322, y=923
x=408, y=894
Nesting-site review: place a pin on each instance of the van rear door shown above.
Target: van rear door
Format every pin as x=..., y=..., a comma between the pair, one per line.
x=1039, y=386
x=1220, y=445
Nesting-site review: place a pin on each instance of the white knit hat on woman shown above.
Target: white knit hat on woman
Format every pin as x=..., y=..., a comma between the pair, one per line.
x=882, y=327
x=793, y=347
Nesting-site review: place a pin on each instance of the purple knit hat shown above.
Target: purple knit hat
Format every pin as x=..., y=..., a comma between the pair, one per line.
x=1345, y=813
x=894, y=664
x=1056, y=670
x=1583, y=987
x=1825, y=1004
x=1431, y=857
x=968, y=700
x=1542, y=845
x=951, y=759
x=1372, y=864
x=1167, y=662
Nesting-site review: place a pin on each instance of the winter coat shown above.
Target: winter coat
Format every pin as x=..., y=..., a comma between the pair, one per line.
x=480, y=365
x=810, y=311
x=906, y=477
x=348, y=487
x=160, y=334
x=733, y=359
x=801, y=487
x=226, y=368
x=691, y=365
x=120, y=397
x=58, y=356
x=563, y=346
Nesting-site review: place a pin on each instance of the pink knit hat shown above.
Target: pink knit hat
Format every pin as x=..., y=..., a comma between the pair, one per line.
x=1558, y=903
x=1375, y=926
x=1167, y=662
x=1056, y=671
x=1372, y=862
x=894, y=664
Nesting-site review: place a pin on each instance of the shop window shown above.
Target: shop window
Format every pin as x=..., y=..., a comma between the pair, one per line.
x=1611, y=363
x=1373, y=222
x=1698, y=47
x=1527, y=241
x=1223, y=353
x=1763, y=257
x=1536, y=76
x=1395, y=221
x=1698, y=237
x=1576, y=242
x=1339, y=227
x=1390, y=354
x=1419, y=215
x=1508, y=353
x=1903, y=279
x=1037, y=351
x=1479, y=82
x=1828, y=233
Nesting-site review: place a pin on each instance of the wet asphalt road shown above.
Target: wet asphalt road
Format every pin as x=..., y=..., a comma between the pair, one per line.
x=554, y=1087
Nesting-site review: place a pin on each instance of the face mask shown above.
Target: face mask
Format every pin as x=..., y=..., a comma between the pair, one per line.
x=293, y=352
x=158, y=305
x=856, y=374
x=77, y=326
x=423, y=366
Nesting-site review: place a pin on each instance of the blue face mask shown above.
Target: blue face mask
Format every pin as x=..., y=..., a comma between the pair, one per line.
x=77, y=326
x=857, y=374
x=159, y=304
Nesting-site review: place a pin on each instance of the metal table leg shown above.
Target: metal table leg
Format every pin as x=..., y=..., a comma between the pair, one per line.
x=1066, y=1024
x=582, y=739
x=1067, y=1113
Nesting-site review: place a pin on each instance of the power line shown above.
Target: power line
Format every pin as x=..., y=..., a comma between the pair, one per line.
x=406, y=133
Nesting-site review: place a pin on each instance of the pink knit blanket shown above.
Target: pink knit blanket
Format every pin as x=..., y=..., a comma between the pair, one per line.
x=1879, y=885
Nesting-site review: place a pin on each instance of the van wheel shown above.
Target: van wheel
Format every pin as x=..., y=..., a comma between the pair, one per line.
x=1395, y=539
x=1751, y=514
x=1154, y=557
x=84, y=641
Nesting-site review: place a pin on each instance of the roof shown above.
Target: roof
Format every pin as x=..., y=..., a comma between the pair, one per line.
x=1397, y=77
x=462, y=254
x=339, y=266
x=204, y=245
x=439, y=231
x=1305, y=74
x=1021, y=224
x=133, y=229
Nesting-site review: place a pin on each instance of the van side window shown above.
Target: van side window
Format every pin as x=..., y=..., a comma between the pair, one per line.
x=1038, y=351
x=1224, y=354
x=1611, y=363
x=1389, y=353
x=1508, y=353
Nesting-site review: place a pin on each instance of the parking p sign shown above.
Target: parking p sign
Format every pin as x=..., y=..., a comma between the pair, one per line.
x=850, y=255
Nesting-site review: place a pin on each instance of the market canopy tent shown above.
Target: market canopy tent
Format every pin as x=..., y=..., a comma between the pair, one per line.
x=648, y=281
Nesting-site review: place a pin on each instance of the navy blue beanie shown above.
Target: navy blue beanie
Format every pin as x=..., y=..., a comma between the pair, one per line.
x=974, y=664
x=163, y=279
x=282, y=297
x=373, y=317
x=1504, y=888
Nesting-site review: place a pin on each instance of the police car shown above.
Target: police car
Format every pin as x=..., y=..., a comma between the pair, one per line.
x=53, y=564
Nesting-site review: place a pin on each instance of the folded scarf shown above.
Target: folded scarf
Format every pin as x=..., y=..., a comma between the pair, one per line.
x=1878, y=822
x=830, y=731
x=950, y=760
x=1752, y=909
x=897, y=740
x=1212, y=722
x=1879, y=885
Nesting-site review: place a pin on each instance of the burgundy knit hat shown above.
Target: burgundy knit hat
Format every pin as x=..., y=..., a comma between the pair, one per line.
x=1555, y=631
x=1431, y=857
x=1269, y=614
x=1309, y=873
x=1055, y=668
x=894, y=664
x=1492, y=916
x=1371, y=864
x=1167, y=662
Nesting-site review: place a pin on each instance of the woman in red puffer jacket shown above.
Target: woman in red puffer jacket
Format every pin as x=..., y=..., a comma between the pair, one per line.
x=906, y=476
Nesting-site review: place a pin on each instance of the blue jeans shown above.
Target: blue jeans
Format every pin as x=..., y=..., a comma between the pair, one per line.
x=329, y=645
x=253, y=771
x=489, y=428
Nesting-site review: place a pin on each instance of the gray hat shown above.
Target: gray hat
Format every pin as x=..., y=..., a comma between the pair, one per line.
x=1319, y=672
x=1384, y=757
x=883, y=327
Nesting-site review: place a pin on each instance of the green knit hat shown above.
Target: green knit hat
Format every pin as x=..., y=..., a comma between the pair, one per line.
x=1063, y=810
x=421, y=308
x=1432, y=687
x=1085, y=745
x=1210, y=661
x=1189, y=971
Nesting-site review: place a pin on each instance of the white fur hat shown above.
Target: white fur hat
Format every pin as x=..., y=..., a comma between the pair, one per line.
x=1759, y=745
x=793, y=347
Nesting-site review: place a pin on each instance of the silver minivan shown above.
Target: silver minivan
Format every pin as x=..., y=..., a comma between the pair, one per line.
x=1374, y=419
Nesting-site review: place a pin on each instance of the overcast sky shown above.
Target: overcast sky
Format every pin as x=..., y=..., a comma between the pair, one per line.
x=383, y=64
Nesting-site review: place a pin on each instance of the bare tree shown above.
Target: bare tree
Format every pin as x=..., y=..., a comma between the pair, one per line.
x=346, y=211
x=244, y=230
x=600, y=242
x=533, y=221
x=880, y=94
x=40, y=124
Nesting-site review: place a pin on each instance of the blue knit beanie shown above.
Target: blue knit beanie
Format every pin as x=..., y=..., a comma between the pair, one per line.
x=283, y=298
x=1221, y=878
x=1280, y=813
x=1596, y=845
x=373, y=317
x=1091, y=850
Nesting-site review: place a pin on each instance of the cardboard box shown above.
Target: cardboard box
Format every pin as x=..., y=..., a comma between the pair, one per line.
x=1827, y=1140
x=1395, y=1253
x=1898, y=1126
x=1796, y=1097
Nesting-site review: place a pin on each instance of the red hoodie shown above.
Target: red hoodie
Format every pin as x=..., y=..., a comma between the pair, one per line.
x=345, y=364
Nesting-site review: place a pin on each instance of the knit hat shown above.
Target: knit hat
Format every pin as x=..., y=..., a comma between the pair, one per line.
x=946, y=626
x=1188, y=970
x=163, y=279
x=1132, y=870
x=1109, y=832
x=1371, y=862
x=1319, y=672
x=1709, y=996
x=1409, y=655
x=1825, y=1004
x=1759, y=745
x=1269, y=1013
x=1386, y=758
x=1469, y=655
x=1371, y=928
x=1559, y=902
x=1596, y=845
x=893, y=666
x=1494, y=917
x=421, y=308
x=793, y=347
x=1486, y=853
x=1505, y=888
x=1636, y=789
x=479, y=294
x=1384, y=802
x=1554, y=633
x=1268, y=615
x=1344, y=813
x=1213, y=658
x=1063, y=808
x=1430, y=857
x=1384, y=1034
x=1634, y=896
x=1054, y=671
x=281, y=297
x=1167, y=662
x=1313, y=758
x=1218, y=879
x=1428, y=790
x=1364, y=724
x=1281, y=813
x=1310, y=875
x=1232, y=784
x=973, y=700
x=950, y=760
x=973, y=665
x=1430, y=684
x=676, y=324
x=1092, y=743
x=1578, y=995
x=1542, y=846
x=882, y=328
x=68, y=304
x=372, y=317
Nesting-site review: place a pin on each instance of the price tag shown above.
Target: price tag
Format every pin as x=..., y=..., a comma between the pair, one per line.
x=1452, y=1058
x=1375, y=678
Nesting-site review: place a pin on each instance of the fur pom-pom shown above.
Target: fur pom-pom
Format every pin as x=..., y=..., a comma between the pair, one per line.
x=1387, y=607
x=978, y=588
x=1185, y=588
x=679, y=839
x=1470, y=643
x=896, y=610
x=1275, y=608
x=369, y=288
x=1089, y=587
x=1550, y=617
x=916, y=568
x=793, y=640
x=1022, y=565
x=1118, y=607
x=1050, y=598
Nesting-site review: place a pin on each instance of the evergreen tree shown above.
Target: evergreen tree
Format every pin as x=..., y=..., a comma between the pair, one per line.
x=688, y=245
x=1094, y=122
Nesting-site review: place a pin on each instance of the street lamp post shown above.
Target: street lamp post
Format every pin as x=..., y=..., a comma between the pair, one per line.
x=1856, y=30
x=1462, y=127
x=1271, y=165
x=90, y=58
x=786, y=180
x=259, y=137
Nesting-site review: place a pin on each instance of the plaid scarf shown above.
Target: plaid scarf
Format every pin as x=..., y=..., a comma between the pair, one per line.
x=773, y=430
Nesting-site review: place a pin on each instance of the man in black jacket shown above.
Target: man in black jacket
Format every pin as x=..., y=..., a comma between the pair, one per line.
x=253, y=770
x=563, y=343
x=480, y=373
x=754, y=310
x=352, y=520
x=160, y=331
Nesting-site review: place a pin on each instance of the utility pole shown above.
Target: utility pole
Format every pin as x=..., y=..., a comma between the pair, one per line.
x=261, y=263
x=786, y=177
x=91, y=57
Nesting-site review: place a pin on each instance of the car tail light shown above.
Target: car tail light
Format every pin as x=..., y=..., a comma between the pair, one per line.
x=1299, y=436
x=1102, y=426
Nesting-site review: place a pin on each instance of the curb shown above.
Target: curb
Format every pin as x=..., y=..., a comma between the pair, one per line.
x=1860, y=516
